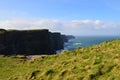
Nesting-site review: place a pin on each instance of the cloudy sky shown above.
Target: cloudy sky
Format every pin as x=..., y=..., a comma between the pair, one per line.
x=76, y=17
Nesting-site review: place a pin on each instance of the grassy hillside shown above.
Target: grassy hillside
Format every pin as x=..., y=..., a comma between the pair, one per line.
x=99, y=62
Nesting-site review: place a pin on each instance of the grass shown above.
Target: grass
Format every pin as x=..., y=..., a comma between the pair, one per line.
x=99, y=62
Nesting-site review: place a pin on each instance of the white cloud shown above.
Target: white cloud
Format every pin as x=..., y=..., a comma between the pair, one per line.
x=76, y=27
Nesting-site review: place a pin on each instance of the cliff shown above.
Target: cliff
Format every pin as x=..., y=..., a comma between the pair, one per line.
x=26, y=42
x=64, y=38
x=30, y=42
x=57, y=41
x=70, y=37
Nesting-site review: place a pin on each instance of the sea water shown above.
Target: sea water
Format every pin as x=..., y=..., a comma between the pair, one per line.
x=84, y=41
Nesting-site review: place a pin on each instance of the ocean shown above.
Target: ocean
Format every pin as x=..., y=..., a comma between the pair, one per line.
x=84, y=41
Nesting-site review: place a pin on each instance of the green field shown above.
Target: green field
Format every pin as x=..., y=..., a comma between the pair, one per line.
x=99, y=62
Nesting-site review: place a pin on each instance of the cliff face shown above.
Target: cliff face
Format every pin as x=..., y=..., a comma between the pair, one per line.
x=57, y=41
x=64, y=38
x=26, y=42
x=70, y=37
x=30, y=42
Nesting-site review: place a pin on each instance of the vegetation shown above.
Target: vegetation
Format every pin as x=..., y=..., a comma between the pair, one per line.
x=99, y=62
x=2, y=32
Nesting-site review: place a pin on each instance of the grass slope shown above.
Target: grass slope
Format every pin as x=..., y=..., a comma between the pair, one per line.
x=99, y=62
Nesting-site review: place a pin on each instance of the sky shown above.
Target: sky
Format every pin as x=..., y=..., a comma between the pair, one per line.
x=74, y=17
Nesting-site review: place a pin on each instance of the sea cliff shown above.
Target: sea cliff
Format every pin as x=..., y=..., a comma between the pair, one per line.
x=30, y=42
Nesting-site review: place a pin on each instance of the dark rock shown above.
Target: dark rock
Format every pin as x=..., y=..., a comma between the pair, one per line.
x=57, y=41
x=26, y=42
x=64, y=38
x=29, y=42
x=70, y=37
